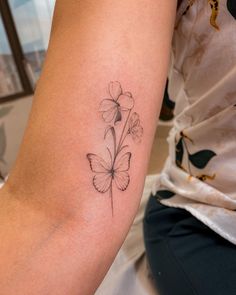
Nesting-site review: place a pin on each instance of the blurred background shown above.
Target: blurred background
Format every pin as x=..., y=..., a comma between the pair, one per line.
x=24, y=35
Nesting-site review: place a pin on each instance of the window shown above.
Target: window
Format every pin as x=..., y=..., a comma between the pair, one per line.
x=33, y=20
x=10, y=83
x=24, y=34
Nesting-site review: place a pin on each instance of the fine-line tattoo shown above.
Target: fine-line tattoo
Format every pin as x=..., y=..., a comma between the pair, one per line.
x=122, y=123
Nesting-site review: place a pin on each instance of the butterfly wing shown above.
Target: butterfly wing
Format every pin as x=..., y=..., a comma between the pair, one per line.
x=121, y=176
x=122, y=180
x=102, y=179
x=97, y=164
x=102, y=182
x=122, y=163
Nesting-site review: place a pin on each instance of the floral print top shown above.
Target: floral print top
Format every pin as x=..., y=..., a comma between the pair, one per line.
x=200, y=173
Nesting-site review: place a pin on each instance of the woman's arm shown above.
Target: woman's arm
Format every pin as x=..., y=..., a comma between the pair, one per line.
x=77, y=182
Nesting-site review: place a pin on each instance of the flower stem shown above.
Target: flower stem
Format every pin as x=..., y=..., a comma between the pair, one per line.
x=111, y=196
x=114, y=141
x=122, y=134
x=123, y=140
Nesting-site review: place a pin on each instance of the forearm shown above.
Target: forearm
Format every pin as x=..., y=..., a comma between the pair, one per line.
x=92, y=45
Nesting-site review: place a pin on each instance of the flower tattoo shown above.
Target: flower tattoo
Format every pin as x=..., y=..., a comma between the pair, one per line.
x=135, y=129
x=122, y=123
x=112, y=108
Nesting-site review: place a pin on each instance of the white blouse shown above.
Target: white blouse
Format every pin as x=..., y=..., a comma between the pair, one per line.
x=200, y=173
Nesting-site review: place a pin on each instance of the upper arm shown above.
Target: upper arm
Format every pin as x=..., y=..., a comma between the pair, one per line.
x=92, y=44
x=95, y=43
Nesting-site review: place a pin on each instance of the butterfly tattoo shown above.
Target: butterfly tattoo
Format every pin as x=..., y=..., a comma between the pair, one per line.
x=120, y=119
x=105, y=172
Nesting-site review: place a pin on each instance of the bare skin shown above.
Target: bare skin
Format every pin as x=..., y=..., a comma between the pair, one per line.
x=58, y=234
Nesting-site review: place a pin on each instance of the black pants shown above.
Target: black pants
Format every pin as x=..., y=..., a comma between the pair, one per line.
x=185, y=256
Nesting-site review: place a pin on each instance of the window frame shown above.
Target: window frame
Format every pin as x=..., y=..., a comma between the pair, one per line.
x=17, y=53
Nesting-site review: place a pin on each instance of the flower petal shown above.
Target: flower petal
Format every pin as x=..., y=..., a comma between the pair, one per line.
x=137, y=133
x=115, y=89
x=109, y=115
x=107, y=104
x=126, y=102
x=128, y=93
x=118, y=116
x=134, y=120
